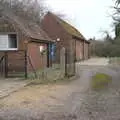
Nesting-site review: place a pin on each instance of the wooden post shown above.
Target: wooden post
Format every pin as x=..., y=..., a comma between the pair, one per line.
x=83, y=50
x=89, y=51
x=26, y=75
x=66, y=63
x=62, y=61
x=6, y=64
x=75, y=60
x=74, y=65
x=48, y=57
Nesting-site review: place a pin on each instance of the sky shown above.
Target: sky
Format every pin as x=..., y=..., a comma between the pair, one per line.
x=90, y=17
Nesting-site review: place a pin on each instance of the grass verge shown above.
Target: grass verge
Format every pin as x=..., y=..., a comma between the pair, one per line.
x=55, y=74
x=100, y=81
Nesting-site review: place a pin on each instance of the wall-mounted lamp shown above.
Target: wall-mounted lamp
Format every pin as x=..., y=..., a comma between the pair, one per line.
x=58, y=39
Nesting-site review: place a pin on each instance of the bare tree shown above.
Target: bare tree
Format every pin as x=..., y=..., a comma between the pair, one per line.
x=28, y=9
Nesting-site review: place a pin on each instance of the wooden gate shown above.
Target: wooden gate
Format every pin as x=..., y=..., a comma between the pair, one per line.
x=13, y=64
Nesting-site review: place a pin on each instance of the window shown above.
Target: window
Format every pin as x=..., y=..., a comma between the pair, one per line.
x=3, y=42
x=12, y=41
x=8, y=42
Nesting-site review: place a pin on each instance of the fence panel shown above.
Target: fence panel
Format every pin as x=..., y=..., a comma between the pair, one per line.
x=16, y=63
x=70, y=63
x=13, y=63
x=65, y=60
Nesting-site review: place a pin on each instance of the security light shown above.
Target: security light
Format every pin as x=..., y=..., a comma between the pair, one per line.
x=58, y=39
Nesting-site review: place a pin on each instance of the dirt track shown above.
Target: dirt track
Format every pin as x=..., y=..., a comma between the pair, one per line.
x=67, y=101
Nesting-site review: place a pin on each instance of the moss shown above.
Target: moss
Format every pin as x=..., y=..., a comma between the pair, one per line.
x=100, y=81
x=2, y=105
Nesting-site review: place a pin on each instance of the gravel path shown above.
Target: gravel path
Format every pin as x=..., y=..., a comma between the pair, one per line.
x=96, y=62
x=69, y=101
x=10, y=85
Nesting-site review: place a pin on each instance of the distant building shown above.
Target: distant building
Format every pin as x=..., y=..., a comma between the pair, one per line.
x=66, y=36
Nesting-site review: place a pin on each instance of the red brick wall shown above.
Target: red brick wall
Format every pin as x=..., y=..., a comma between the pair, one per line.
x=79, y=50
x=38, y=61
x=55, y=30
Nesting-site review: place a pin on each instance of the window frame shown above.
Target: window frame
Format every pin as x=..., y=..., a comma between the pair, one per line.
x=10, y=33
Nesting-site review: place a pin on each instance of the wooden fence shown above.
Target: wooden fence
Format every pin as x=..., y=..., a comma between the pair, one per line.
x=13, y=64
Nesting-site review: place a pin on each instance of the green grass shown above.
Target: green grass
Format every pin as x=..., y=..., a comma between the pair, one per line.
x=54, y=74
x=100, y=81
x=45, y=82
x=48, y=75
x=2, y=105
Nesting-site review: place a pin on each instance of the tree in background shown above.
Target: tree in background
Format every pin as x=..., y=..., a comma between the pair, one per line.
x=109, y=47
x=116, y=18
x=27, y=9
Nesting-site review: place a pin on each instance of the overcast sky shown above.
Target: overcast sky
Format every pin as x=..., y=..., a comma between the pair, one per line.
x=90, y=17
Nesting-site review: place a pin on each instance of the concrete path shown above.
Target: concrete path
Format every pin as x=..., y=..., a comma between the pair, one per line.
x=65, y=101
x=96, y=62
x=10, y=85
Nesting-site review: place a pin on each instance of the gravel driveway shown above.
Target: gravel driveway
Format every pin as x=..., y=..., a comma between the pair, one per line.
x=67, y=101
x=10, y=85
x=96, y=62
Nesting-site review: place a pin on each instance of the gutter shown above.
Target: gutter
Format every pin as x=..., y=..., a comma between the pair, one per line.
x=40, y=40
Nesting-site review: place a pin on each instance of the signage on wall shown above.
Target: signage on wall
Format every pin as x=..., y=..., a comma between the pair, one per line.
x=42, y=49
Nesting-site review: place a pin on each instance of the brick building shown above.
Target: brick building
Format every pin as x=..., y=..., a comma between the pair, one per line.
x=17, y=35
x=68, y=36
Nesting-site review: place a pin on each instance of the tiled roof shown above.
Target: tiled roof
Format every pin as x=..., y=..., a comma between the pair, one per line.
x=68, y=27
x=29, y=28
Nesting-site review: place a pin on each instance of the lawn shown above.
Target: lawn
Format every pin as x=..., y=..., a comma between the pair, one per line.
x=100, y=81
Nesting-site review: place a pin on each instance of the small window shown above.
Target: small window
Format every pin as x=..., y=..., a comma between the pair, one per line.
x=12, y=41
x=8, y=42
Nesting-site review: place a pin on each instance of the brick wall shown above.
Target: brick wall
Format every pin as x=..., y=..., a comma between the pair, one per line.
x=79, y=50
x=38, y=61
x=86, y=50
x=55, y=30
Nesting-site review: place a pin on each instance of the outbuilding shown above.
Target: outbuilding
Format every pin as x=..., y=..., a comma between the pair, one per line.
x=24, y=46
x=66, y=36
